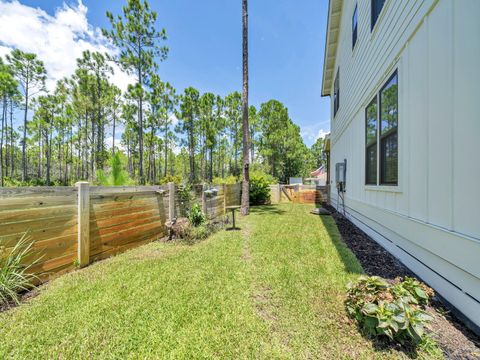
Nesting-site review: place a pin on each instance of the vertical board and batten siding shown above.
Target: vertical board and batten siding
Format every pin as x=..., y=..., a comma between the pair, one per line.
x=49, y=215
x=431, y=219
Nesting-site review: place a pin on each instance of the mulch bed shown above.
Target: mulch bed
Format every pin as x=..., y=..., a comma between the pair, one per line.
x=454, y=338
x=23, y=297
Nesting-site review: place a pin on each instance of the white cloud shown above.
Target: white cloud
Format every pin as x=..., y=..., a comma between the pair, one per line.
x=310, y=133
x=58, y=40
x=321, y=134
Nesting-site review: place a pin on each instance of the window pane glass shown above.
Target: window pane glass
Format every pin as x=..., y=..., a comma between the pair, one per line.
x=389, y=151
x=389, y=105
x=371, y=165
x=336, y=94
x=377, y=6
x=371, y=122
x=354, y=26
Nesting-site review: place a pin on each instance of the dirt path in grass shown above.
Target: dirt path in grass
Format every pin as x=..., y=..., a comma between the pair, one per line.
x=261, y=294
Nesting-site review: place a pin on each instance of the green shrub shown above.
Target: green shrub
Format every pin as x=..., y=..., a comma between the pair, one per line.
x=185, y=194
x=260, y=188
x=199, y=232
x=196, y=215
x=171, y=178
x=392, y=310
x=229, y=180
x=184, y=230
x=13, y=272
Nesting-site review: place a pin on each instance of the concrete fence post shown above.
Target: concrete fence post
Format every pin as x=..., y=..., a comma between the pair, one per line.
x=83, y=223
x=279, y=193
x=171, y=201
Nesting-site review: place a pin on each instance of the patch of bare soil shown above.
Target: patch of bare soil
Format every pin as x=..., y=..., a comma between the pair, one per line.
x=454, y=338
x=23, y=297
x=263, y=304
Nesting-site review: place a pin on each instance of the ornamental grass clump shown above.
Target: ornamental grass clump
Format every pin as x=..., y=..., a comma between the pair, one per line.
x=14, y=276
x=396, y=311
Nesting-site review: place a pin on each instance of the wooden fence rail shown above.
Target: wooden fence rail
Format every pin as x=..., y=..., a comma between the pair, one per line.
x=305, y=194
x=73, y=226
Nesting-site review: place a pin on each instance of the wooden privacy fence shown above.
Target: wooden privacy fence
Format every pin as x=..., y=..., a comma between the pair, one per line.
x=73, y=226
x=303, y=194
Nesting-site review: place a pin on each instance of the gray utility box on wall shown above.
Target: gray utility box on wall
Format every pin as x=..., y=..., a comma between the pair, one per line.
x=341, y=174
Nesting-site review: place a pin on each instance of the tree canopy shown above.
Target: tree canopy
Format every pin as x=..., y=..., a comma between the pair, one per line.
x=71, y=132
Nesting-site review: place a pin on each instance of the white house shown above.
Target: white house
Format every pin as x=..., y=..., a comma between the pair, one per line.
x=404, y=82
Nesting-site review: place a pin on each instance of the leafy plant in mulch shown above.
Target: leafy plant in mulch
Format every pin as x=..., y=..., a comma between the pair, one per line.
x=196, y=215
x=183, y=230
x=395, y=311
x=14, y=276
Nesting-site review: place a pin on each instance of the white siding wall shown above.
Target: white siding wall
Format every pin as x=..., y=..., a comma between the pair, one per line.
x=434, y=213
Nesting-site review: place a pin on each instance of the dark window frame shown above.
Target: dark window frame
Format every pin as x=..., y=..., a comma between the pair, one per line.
x=383, y=137
x=355, y=26
x=371, y=145
x=336, y=93
x=375, y=10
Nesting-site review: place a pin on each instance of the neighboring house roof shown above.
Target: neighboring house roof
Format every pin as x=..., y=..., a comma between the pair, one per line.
x=331, y=44
x=320, y=171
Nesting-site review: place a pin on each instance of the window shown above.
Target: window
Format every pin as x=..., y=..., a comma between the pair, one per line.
x=381, y=135
x=371, y=135
x=388, y=132
x=377, y=6
x=336, y=93
x=354, y=26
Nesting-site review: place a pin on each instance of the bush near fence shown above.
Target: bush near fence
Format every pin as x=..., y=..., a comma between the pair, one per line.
x=74, y=226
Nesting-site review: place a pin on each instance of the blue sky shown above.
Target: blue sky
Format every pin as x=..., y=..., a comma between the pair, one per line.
x=287, y=40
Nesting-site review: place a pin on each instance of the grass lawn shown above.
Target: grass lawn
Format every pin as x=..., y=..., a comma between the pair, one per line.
x=274, y=289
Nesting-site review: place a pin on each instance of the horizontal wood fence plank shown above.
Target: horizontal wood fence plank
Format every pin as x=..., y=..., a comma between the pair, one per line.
x=50, y=191
x=14, y=203
x=36, y=213
x=38, y=228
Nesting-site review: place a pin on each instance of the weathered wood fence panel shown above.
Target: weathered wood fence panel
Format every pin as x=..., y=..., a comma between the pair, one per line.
x=215, y=202
x=304, y=194
x=116, y=219
x=49, y=217
x=122, y=220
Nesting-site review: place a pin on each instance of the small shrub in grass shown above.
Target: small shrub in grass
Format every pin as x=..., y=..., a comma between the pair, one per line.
x=196, y=215
x=396, y=311
x=260, y=188
x=13, y=272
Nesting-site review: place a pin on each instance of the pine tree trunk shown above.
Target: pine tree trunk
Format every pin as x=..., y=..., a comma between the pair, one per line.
x=246, y=174
x=166, y=148
x=113, y=137
x=4, y=111
x=12, y=147
x=24, y=142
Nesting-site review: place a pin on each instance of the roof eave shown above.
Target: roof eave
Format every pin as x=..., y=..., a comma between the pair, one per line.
x=331, y=43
